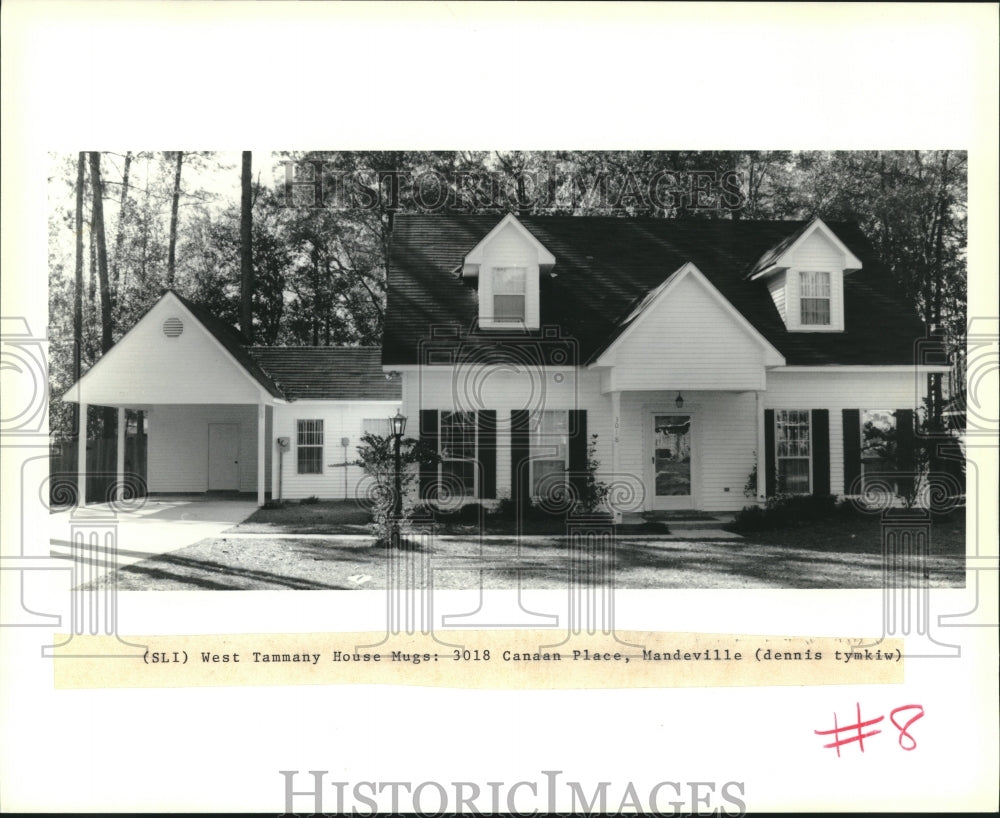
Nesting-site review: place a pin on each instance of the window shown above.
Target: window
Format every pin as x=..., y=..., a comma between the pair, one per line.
x=376, y=426
x=508, y=293
x=878, y=443
x=793, y=450
x=814, y=298
x=458, y=453
x=310, y=446
x=549, y=450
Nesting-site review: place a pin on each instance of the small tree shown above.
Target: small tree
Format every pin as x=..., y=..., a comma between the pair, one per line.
x=377, y=457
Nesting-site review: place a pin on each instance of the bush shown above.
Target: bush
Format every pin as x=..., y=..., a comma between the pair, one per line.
x=308, y=501
x=785, y=510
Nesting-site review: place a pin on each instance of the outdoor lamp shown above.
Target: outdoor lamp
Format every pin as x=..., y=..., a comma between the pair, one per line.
x=679, y=401
x=398, y=424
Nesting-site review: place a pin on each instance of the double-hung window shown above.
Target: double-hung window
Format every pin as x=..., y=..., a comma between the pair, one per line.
x=794, y=451
x=814, y=298
x=549, y=451
x=310, y=446
x=458, y=453
x=509, y=286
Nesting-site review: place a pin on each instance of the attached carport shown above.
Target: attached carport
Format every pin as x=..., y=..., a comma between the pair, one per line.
x=209, y=404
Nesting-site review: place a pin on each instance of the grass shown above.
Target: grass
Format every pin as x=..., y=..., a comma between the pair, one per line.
x=844, y=552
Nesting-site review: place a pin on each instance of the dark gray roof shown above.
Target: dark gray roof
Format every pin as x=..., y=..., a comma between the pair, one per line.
x=328, y=373
x=605, y=266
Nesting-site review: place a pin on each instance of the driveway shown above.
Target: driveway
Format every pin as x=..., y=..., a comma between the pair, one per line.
x=156, y=526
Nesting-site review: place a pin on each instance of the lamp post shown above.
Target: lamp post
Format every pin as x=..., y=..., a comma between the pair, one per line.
x=398, y=424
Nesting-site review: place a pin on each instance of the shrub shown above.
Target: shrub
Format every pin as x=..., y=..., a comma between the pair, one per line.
x=308, y=501
x=787, y=510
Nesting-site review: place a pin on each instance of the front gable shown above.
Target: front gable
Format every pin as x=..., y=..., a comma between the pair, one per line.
x=168, y=357
x=686, y=335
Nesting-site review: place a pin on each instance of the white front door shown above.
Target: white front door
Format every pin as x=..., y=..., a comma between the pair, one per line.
x=671, y=461
x=223, y=456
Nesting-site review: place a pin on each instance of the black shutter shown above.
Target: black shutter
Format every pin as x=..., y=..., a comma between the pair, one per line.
x=904, y=448
x=852, y=451
x=486, y=420
x=578, y=449
x=820, y=422
x=770, y=468
x=520, y=489
x=429, y=437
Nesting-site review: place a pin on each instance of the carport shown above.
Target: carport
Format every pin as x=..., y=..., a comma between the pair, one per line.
x=209, y=405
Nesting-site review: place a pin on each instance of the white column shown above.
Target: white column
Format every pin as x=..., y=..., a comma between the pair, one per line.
x=120, y=453
x=616, y=427
x=261, y=452
x=81, y=454
x=761, y=454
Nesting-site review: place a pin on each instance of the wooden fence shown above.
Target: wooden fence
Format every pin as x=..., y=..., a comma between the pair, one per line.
x=101, y=469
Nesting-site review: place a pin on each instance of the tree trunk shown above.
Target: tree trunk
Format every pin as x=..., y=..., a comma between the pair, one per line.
x=107, y=337
x=81, y=169
x=246, y=249
x=116, y=285
x=174, y=202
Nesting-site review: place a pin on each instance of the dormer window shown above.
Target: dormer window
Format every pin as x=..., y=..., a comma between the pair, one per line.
x=509, y=288
x=814, y=299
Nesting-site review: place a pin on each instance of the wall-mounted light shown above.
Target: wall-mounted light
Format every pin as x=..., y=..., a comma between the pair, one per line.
x=391, y=376
x=679, y=400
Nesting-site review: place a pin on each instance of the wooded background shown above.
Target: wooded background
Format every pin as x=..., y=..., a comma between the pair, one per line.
x=221, y=230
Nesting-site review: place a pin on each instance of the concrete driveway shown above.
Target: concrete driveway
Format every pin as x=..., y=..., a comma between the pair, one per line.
x=154, y=526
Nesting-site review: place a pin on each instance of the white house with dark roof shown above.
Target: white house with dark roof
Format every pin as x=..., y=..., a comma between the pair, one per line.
x=225, y=416
x=697, y=351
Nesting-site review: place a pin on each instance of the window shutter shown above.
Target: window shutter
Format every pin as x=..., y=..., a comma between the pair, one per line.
x=520, y=479
x=852, y=451
x=904, y=448
x=486, y=421
x=429, y=437
x=820, y=422
x=578, y=449
x=770, y=473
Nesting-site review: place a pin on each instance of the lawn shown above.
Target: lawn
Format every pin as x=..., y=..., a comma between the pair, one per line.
x=844, y=552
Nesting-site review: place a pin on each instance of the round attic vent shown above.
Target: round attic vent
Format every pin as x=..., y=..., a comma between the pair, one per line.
x=173, y=327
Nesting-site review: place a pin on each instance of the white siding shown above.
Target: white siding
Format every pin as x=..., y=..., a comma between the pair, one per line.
x=724, y=438
x=836, y=391
x=817, y=252
x=146, y=367
x=178, y=446
x=509, y=248
x=340, y=419
x=688, y=341
x=776, y=286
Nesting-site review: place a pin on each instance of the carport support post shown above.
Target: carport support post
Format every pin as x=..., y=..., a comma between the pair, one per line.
x=261, y=452
x=81, y=456
x=120, y=455
x=761, y=454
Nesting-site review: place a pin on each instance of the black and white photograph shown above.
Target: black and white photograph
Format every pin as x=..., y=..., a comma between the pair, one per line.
x=614, y=384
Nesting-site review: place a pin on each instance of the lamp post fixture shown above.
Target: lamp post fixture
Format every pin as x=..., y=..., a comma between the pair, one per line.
x=679, y=400
x=398, y=425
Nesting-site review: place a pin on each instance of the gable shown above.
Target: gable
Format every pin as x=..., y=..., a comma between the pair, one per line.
x=167, y=357
x=686, y=336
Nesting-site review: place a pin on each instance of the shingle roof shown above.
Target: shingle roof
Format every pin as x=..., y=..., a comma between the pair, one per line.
x=605, y=266
x=328, y=373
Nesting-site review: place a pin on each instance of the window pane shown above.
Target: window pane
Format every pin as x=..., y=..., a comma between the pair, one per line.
x=794, y=475
x=458, y=435
x=547, y=475
x=815, y=284
x=459, y=477
x=310, y=432
x=508, y=307
x=509, y=280
x=815, y=310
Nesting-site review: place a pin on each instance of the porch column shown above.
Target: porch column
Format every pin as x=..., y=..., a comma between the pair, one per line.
x=616, y=423
x=81, y=456
x=120, y=455
x=261, y=452
x=761, y=445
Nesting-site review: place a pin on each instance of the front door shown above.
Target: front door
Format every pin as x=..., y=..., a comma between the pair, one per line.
x=223, y=456
x=671, y=484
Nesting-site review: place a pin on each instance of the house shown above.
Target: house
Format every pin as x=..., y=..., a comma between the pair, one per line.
x=222, y=415
x=697, y=351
